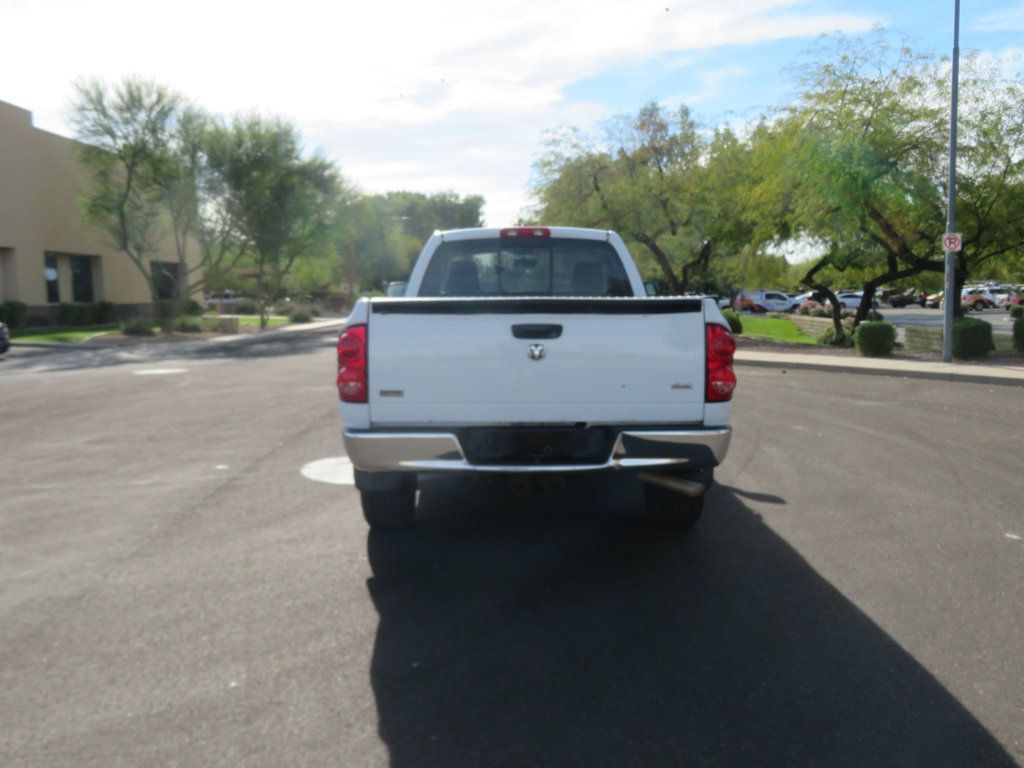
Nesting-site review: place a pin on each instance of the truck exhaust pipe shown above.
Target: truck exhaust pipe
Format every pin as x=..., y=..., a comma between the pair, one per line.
x=678, y=484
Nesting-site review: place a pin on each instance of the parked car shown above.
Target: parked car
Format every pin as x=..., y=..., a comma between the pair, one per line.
x=803, y=298
x=223, y=299
x=978, y=298
x=5, y=338
x=934, y=300
x=848, y=300
x=764, y=301
x=396, y=288
x=906, y=298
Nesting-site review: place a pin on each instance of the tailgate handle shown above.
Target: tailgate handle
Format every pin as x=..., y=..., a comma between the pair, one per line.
x=527, y=331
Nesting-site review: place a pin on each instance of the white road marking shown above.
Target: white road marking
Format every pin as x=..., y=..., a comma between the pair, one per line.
x=336, y=470
x=221, y=466
x=1015, y=537
x=159, y=371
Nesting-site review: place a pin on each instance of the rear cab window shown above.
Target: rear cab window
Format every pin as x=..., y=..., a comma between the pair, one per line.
x=545, y=267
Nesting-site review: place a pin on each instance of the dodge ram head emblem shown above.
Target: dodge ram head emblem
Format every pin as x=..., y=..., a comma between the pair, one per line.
x=537, y=351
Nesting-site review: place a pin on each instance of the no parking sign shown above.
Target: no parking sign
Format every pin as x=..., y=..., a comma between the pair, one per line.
x=952, y=242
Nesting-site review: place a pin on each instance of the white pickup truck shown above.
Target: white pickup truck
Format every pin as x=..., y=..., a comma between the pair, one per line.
x=529, y=351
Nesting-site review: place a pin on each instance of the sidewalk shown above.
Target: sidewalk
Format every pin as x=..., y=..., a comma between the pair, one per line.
x=277, y=334
x=273, y=334
x=1011, y=375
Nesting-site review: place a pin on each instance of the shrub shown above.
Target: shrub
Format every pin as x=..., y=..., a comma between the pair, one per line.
x=188, y=324
x=874, y=316
x=1017, y=310
x=734, y=320
x=972, y=338
x=15, y=312
x=137, y=326
x=191, y=308
x=828, y=336
x=875, y=338
x=245, y=307
x=76, y=314
x=1018, y=334
x=300, y=313
x=813, y=308
x=105, y=312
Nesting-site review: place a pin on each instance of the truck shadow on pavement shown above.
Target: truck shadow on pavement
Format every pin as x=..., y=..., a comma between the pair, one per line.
x=561, y=632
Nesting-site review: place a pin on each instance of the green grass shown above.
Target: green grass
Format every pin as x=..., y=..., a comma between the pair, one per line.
x=776, y=329
x=61, y=335
x=255, y=320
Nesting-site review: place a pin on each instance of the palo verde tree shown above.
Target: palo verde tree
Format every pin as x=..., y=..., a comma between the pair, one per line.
x=864, y=149
x=126, y=135
x=862, y=146
x=280, y=205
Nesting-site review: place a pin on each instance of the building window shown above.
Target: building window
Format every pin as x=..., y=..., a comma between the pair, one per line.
x=81, y=279
x=52, y=279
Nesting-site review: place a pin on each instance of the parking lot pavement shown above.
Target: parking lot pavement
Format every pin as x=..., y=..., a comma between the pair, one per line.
x=175, y=591
x=999, y=319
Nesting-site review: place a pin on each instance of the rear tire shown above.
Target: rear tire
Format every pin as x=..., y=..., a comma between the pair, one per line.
x=671, y=510
x=392, y=508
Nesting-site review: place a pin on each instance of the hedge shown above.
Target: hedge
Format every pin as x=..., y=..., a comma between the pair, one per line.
x=1018, y=334
x=188, y=324
x=972, y=338
x=13, y=313
x=137, y=326
x=734, y=320
x=875, y=338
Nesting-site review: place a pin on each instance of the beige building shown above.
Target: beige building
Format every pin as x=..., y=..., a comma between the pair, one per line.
x=48, y=254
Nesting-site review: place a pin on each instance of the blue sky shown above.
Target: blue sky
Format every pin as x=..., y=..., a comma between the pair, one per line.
x=457, y=94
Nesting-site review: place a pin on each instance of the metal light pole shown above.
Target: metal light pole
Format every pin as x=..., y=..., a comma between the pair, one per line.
x=950, y=289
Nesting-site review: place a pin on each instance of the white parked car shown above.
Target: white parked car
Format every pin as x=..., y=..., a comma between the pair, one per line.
x=983, y=297
x=851, y=300
x=533, y=351
x=765, y=301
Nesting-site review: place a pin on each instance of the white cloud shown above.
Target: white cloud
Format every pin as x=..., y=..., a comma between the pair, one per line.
x=404, y=94
x=1011, y=20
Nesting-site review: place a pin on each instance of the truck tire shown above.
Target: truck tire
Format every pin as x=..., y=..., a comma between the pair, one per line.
x=669, y=509
x=391, y=508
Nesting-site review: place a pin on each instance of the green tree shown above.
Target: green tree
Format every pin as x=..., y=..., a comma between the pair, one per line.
x=863, y=153
x=677, y=195
x=126, y=134
x=281, y=205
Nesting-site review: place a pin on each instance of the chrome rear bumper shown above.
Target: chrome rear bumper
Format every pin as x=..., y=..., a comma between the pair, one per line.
x=373, y=451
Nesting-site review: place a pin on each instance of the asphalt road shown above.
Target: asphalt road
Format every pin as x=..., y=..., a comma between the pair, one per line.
x=174, y=592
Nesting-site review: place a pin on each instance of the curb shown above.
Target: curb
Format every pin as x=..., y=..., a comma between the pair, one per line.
x=1003, y=377
x=61, y=346
x=276, y=334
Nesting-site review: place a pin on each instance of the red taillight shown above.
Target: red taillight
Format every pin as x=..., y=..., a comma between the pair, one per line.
x=721, y=380
x=352, y=385
x=524, y=232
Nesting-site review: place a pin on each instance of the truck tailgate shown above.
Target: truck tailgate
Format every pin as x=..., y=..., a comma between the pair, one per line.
x=598, y=361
